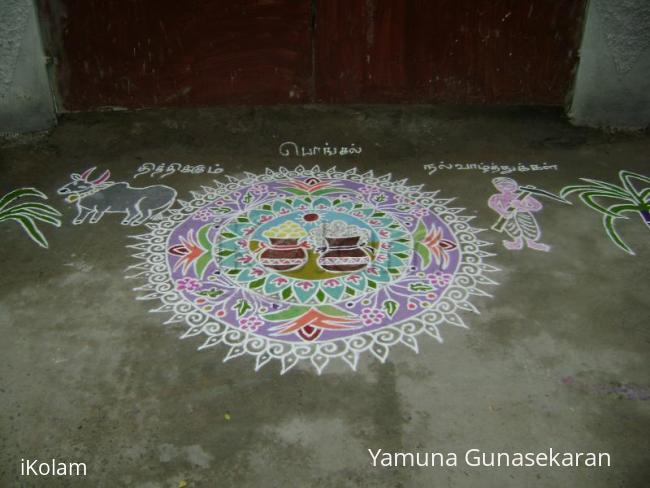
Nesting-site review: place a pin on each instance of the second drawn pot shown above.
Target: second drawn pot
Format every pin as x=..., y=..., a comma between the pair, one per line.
x=344, y=254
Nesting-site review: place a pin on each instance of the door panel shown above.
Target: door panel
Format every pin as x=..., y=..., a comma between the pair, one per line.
x=147, y=53
x=468, y=51
x=153, y=53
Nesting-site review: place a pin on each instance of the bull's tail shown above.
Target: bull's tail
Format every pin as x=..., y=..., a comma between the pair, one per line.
x=159, y=214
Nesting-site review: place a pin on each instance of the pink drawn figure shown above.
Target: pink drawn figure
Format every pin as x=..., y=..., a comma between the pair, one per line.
x=515, y=207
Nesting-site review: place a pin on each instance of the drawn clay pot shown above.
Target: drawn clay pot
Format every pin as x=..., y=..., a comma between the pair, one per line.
x=343, y=254
x=284, y=255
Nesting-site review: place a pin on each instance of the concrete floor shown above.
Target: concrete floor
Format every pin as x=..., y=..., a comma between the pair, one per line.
x=557, y=359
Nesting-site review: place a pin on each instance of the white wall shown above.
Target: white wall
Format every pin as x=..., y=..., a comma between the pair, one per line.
x=26, y=102
x=613, y=80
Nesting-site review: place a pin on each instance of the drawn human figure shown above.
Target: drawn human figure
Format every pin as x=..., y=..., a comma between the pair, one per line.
x=516, y=206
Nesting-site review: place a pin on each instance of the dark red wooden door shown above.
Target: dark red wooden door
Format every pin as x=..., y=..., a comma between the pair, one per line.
x=150, y=53
x=468, y=51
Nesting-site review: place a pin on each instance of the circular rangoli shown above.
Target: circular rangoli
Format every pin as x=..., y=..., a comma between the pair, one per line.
x=311, y=265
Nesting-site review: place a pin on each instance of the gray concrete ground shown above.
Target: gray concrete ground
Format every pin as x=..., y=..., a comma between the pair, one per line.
x=557, y=359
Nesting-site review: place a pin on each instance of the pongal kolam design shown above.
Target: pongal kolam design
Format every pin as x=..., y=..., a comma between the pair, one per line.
x=343, y=246
x=312, y=265
x=284, y=253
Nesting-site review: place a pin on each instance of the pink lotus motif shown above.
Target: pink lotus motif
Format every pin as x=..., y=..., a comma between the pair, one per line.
x=332, y=282
x=245, y=259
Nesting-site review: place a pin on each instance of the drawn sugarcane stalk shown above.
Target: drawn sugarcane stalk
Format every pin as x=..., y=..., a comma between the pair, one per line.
x=628, y=198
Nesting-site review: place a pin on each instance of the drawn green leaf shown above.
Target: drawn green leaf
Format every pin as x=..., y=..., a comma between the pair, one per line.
x=333, y=311
x=424, y=253
x=622, y=208
x=320, y=296
x=350, y=291
x=44, y=207
x=421, y=287
x=608, y=222
x=212, y=293
x=202, y=263
x=325, y=191
x=604, y=191
x=420, y=231
x=627, y=176
x=32, y=214
x=290, y=313
x=295, y=191
x=287, y=292
x=202, y=237
x=242, y=306
x=372, y=284
x=605, y=185
x=589, y=196
x=390, y=307
x=20, y=192
x=257, y=283
x=30, y=227
x=222, y=210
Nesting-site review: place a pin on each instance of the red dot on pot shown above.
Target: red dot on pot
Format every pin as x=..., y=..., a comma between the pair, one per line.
x=310, y=217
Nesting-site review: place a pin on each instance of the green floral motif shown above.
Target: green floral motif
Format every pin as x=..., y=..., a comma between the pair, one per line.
x=194, y=252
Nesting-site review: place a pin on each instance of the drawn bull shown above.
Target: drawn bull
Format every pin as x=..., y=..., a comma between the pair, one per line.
x=98, y=197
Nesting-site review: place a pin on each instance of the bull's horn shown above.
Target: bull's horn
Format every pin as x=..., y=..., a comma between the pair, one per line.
x=105, y=175
x=86, y=174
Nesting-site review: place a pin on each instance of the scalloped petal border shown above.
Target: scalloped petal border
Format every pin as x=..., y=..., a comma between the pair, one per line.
x=467, y=281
